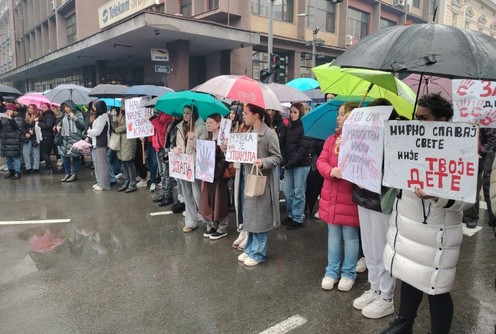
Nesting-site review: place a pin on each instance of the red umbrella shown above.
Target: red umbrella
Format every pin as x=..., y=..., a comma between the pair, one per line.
x=241, y=88
x=430, y=84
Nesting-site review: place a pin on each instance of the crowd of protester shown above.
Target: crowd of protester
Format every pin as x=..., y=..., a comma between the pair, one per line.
x=357, y=224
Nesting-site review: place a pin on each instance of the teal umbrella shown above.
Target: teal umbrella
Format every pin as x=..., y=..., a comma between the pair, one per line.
x=174, y=103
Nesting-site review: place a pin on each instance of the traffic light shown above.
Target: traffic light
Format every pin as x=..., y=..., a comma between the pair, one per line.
x=274, y=63
x=265, y=75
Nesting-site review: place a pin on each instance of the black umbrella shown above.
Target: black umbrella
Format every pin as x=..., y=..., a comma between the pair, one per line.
x=108, y=90
x=6, y=90
x=425, y=48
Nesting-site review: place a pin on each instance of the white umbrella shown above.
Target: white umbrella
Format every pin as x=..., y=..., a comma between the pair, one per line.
x=288, y=94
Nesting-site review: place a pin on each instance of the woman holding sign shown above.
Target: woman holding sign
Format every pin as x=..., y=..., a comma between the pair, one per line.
x=214, y=197
x=189, y=130
x=261, y=213
x=423, y=243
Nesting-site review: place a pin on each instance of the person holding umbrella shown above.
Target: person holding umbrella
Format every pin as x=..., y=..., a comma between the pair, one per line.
x=434, y=226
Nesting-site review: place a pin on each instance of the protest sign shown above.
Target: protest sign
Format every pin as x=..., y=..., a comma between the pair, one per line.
x=205, y=160
x=138, y=123
x=224, y=130
x=362, y=146
x=438, y=157
x=474, y=101
x=242, y=147
x=181, y=166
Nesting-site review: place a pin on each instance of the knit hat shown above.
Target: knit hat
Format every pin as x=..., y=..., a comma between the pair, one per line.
x=11, y=106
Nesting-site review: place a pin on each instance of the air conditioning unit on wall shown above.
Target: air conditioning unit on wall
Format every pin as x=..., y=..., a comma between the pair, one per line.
x=399, y=3
x=348, y=40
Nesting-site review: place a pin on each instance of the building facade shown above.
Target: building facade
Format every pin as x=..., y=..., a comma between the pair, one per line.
x=88, y=42
x=478, y=15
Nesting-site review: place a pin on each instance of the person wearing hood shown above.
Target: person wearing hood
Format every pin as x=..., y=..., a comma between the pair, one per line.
x=46, y=122
x=10, y=142
x=71, y=128
x=98, y=135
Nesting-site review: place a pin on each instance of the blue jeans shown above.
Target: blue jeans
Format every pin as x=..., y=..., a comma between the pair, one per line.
x=14, y=163
x=114, y=162
x=256, y=246
x=75, y=164
x=26, y=153
x=337, y=234
x=151, y=163
x=295, y=186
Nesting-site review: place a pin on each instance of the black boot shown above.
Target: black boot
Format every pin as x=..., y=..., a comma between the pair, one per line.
x=400, y=325
x=166, y=201
x=10, y=174
x=159, y=199
x=16, y=176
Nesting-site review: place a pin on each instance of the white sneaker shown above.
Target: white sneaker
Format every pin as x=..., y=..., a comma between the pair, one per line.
x=249, y=262
x=240, y=239
x=361, y=265
x=365, y=299
x=328, y=283
x=316, y=215
x=242, y=257
x=345, y=284
x=152, y=187
x=59, y=162
x=141, y=183
x=378, y=309
x=97, y=188
x=95, y=185
x=184, y=213
x=243, y=243
x=119, y=176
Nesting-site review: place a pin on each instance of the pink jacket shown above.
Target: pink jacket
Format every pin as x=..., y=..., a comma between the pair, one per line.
x=335, y=206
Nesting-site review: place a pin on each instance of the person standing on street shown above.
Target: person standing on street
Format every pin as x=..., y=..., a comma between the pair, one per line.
x=30, y=141
x=46, y=122
x=10, y=142
x=71, y=128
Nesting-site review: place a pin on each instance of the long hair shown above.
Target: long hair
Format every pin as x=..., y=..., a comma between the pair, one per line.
x=30, y=117
x=194, y=118
x=216, y=117
x=301, y=111
x=264, y=117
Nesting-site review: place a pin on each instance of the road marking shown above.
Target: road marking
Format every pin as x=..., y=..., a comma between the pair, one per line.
x=25, y=222
x=161, y=213
x=282, y=200
x=286, y=325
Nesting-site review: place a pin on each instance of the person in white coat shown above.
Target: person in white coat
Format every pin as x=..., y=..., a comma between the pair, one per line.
x=423, y=243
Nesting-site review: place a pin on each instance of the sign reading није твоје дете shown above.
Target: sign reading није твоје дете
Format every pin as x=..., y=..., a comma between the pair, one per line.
x=116, y=10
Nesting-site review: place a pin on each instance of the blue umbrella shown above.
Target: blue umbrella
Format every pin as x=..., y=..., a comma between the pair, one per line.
x=147, y=90
x=303, y=83
x=116, y=103
x=321, y=122
x=174, y=103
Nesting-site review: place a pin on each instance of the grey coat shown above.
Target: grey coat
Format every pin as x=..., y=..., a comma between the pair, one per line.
x=127, y=151
x=261, y=214
x=68, y=141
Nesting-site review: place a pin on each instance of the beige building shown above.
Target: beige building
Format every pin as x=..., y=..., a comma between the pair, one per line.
x=88, y=42
x=478, y=15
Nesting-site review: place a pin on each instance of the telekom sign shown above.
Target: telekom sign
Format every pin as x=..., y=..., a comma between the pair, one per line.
x=116, y=10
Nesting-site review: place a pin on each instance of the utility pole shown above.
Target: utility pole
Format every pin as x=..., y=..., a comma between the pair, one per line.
x=314, y=46
x=270, y=36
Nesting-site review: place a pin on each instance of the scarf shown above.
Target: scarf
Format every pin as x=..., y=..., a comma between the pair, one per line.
x=68, y=127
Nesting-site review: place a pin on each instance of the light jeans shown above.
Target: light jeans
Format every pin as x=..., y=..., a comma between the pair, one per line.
x=373, y=230
x=26, y=153
x=295, y=186
x=256, y=246
x=337, y=234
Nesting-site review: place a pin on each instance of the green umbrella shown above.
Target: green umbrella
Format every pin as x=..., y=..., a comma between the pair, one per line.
x=174, y=103
x=357, y=81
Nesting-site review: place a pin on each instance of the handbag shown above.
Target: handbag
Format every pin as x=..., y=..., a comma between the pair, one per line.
x=114, y=142
x=229, y=172
x=57, y=139
x=387, y=200
x=255, y=183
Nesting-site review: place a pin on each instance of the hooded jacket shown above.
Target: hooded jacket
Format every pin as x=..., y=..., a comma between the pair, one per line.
x=69, y=140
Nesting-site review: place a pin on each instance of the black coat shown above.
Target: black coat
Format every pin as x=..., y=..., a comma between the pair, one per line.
x=366, y=199
x=10, y=139
x=46, y=124
x=296, y=148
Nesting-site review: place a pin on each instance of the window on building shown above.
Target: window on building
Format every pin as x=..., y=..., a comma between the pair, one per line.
x=213, y=4
x=386, y=23
x=321, y=14
x=186, y=8
x=416, y=3
x=454, y=19
x=358, y=23
x=283, y=9
x=70, y=22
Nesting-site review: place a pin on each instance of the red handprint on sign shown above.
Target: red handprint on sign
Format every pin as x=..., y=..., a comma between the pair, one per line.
x=130, y=127
x=463, y=107
x=464, y=87
x=490, y=118
x=477, y=110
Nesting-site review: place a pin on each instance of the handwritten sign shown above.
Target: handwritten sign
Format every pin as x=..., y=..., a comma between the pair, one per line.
x=181, y=166
x=205, y=160
x=362, y=146
x=439, y=157
x=138, y=124
x=224, y=130
x=474, y=101
x=242, y=147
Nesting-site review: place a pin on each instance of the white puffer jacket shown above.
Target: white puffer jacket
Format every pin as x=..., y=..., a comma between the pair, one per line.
x=424, y=242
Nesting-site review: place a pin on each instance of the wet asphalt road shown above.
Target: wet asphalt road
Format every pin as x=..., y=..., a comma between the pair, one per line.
x=120, y=270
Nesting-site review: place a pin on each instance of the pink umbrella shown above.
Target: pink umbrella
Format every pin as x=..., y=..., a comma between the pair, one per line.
x=430, y=84
x=33, y=98
x=241, y=88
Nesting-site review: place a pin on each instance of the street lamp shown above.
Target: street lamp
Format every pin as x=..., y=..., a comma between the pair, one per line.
x=270, y=35
x=314, y=42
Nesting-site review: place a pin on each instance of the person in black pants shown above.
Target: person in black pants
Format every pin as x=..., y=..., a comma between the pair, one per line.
x=46, y=123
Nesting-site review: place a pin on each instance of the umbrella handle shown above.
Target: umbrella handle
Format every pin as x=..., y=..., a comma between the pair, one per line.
x=416, y=97
x=366, y=93
x=143, y=150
